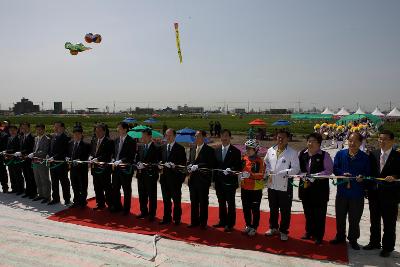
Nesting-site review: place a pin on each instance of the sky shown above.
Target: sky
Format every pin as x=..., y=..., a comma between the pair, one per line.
x=265, y=54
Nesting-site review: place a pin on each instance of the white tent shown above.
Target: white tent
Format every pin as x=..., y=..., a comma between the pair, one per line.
x=395, y=113
x=377, y=112
x=342, y=112
x=359, y=111
x=328, y=111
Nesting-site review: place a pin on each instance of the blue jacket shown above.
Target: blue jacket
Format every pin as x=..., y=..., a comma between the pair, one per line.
x=359, y=165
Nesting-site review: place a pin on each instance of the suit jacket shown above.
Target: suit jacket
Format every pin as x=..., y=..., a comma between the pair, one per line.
x=153, y=155
x=105, y=151
x=59, y=146
x=43, y=147
x=176, y=156
x=3, y=141
x=81, y=152
x=206, y=159
x=389, y=191
x=26, y=144
x=13, y=144
x=128, y=150
x=233, y=160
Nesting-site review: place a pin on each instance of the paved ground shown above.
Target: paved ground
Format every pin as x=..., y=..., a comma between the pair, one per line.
x=27, y=238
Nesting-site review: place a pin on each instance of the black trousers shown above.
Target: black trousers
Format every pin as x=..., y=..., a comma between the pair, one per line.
x=102, y=187
x=315, y=213
x=16, y=178
x=279, y=201
x=3, y=175
x=121, y=178
x=147, y=189
x=226, y=203
x=251, y=201
x=387, y=210
x=59, y=175
x=172, y=190
x=30, y=184
x=79, y=181
x=199, y=191
x=353, y=207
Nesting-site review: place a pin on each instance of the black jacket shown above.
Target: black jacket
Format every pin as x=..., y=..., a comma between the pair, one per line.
x=233, y=160
x=59, y=146
x=176, y=156
x=389, y=191
x=26, y=144
x=128, y=150
x=206, y=159
x=152, y=156
x=105, y=151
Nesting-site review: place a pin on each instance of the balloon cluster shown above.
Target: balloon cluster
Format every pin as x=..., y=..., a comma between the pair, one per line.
x=93, y=38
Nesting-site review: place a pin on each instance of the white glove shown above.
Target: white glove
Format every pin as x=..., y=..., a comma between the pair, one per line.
x=189, y=167
x=67, y=158
x=166, y=164
x=96, y=160
x=160, y=166
x=227, y=171
x=140, y=166
x=30, y=155
x=90, y=158
x=75, y=162
x=18, y=154
x=3, y=152
x=50, y=159
x=117, y=162
x=311, y=179
x=169, y=165
x=194, y=168
x=244, y=175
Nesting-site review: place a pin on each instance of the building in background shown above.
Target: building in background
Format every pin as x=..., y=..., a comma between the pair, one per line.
x=57, y=108
x=186, y=109
x=25, y=106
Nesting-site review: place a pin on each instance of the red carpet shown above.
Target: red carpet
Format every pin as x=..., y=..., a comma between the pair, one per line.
x=212, y=237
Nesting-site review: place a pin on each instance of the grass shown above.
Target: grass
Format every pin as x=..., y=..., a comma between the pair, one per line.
x=237, y=124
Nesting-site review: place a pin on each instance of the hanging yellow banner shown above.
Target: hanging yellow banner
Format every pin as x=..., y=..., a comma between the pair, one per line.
x=178, y=43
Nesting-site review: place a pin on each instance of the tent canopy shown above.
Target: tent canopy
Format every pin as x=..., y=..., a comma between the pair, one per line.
x=327, y=111
x=342, y=112
x=354, y=117
x=258, y=122
x=129, y=120
x=311, y=116
x=377, y=112
x=150, y=120
x=395, y=113
x=281, y=123
x=186, y=131
x=359, y=111
x=137, y=131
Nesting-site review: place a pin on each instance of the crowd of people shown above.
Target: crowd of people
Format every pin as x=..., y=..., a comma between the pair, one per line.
x=38, y=164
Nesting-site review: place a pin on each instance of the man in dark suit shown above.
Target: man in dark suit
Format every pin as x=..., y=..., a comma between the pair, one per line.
x=384, y=197
x=3, y=169
x=125, y=152
x=14, y=167
x=78, y=150
x=102, y=151
x=59, y=171
x=201, y=156
x=172, y=177
x=229, y=159
x=27, y=142
x=147, y=176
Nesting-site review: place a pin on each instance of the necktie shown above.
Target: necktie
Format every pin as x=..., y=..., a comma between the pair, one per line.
x=98, y=145
x=121, y=141
x=382, y=160
x=224, y=150
x=146, y=148
x=74, y=150
x=168, y=150
x=197, y=151
x=37, y=144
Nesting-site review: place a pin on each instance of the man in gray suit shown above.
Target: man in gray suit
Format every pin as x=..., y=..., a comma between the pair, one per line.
x=40, y=171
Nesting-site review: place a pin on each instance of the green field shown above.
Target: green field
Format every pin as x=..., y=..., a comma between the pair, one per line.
x=238, y=125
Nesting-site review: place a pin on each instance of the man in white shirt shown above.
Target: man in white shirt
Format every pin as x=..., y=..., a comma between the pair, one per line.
x=281, y=160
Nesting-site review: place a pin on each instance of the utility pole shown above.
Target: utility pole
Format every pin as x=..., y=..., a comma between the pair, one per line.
x=248, y=106
x=114, y=107
x=71, y=106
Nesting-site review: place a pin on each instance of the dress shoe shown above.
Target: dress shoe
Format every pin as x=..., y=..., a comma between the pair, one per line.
x=98, y=208
x=32, y=196
x=151, y=218
x=115, y=210
x=193, y=225
x=164, y=222
x=372, y=246
x=318, y=241
x=141, y=216
x=337, y=241
x=384, y=253
x=38, y=198
x=19, y=193
x=228, y=229
x=203, y=226
x=53, y=202
x=75, y=205
x=177, y=222
x=5, y=191
x=45, y=200
x=219, y=225
x=354, y=245
x=306, y=236
x=126, y=212
x=67, y=202
x=25, y=196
